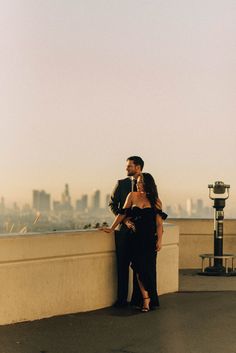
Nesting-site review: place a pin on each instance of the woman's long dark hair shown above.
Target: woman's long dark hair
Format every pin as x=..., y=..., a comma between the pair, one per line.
x=150, y=188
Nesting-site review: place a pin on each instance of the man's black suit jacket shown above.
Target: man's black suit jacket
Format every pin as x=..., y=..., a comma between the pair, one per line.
x=118, y=197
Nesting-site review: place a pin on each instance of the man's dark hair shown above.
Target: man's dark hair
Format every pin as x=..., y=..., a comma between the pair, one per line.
x=137, y=161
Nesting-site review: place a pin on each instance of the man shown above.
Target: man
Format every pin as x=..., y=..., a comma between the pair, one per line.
x=123, y=232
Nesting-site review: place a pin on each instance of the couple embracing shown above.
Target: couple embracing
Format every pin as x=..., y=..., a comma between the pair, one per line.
x=138, y=235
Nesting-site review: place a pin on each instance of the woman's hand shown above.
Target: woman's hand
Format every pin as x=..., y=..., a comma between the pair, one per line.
x=158, y=245
x=107, y=229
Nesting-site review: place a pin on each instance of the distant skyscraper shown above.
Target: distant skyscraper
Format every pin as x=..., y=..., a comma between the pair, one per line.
x=84, y=201
x=189, y=207
x=66, y=199
x=96, y=200
x=108, y=197
x=82, y=204
x=2, y=205
x=41, y=200
x=199, y=208
x=65, y=204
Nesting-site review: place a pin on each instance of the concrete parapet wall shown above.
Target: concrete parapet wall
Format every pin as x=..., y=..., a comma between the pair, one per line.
x=196, y=237
x=44, y=275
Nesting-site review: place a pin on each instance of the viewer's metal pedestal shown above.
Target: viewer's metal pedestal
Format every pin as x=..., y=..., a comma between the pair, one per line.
x=217, y=193
x=225, y=270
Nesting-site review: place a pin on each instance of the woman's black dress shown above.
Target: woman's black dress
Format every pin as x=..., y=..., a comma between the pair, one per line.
x=144, y=248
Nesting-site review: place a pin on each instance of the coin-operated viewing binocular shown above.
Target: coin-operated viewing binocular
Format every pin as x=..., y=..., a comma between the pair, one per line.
x=219, y=192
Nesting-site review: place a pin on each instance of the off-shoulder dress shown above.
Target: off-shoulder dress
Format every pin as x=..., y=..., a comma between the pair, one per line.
x=144, y=247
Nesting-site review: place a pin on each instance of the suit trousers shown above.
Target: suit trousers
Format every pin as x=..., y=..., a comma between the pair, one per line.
x=123, y=242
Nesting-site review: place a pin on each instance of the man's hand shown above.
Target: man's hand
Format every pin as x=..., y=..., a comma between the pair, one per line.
x=129, y=224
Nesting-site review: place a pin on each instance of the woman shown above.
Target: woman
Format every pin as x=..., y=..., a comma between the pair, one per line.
x=146, y=218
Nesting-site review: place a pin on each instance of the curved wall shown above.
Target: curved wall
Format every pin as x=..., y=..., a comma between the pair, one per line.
x=43, y=275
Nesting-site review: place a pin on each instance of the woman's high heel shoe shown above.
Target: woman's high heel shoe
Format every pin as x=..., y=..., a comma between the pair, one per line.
x=145, y=307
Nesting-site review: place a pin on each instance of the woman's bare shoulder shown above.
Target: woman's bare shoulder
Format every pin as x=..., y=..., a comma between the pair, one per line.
x=132, y=194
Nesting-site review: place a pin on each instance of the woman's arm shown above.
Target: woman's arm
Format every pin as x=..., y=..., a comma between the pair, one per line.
x=159, y=226
x=120, y=217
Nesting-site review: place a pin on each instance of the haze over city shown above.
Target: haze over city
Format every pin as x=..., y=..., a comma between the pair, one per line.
x=86, y=84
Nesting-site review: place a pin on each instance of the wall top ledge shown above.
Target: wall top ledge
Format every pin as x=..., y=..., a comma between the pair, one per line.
x=61, y=232
x=70, y=243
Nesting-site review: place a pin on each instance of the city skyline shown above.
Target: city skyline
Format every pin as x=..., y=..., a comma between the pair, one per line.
x=44, y=214
x=42, y=201
x=75, y=201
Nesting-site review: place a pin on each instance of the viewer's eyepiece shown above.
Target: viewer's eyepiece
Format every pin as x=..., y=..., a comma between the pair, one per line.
x=218, y=188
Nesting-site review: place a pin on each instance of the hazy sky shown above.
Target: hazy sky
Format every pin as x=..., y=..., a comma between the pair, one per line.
x=84, y=84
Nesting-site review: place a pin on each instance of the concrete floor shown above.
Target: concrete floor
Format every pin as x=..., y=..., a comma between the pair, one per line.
x=186, y=322
x=189, y=281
